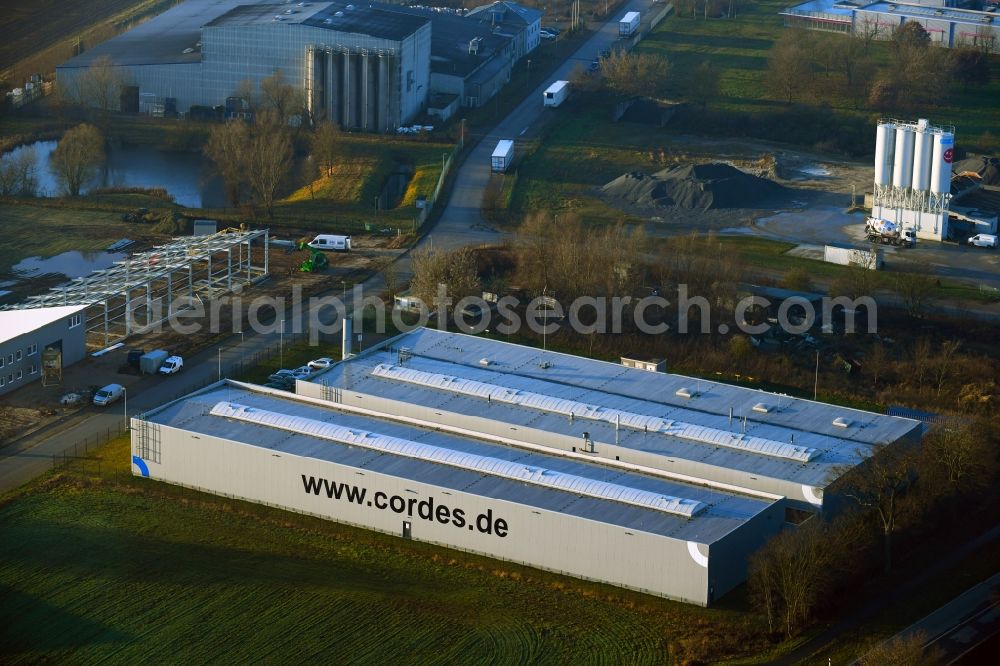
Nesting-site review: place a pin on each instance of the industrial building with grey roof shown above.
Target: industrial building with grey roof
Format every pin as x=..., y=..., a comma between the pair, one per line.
x=645, y=480
x=363, y=66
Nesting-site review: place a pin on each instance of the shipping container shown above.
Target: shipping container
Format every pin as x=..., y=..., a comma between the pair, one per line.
x=150, y=362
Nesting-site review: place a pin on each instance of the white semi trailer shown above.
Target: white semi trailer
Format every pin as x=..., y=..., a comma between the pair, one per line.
x=555, y=94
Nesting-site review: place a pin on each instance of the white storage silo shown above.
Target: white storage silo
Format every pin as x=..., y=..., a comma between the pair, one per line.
x=902, y=169
x=922, y=160
x=944, y=148
x=885, y=139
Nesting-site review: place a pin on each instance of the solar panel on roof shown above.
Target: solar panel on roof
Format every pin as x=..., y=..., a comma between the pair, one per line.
x=697, y=433
x=686, y=508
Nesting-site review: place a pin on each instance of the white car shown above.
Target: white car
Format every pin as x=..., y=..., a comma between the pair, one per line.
x=302, y=372
x=983, y=240
x=546, y=35
x=320, y=363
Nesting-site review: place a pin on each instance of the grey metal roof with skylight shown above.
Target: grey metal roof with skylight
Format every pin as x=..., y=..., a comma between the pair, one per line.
x=293, y=425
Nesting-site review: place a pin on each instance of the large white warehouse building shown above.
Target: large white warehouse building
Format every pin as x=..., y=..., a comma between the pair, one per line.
x=645, y=480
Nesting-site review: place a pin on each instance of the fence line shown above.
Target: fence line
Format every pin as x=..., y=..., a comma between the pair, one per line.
x=445, y=170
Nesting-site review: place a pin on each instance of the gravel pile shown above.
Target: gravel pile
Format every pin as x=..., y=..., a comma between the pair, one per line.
x=700, y=186
x=987, y=167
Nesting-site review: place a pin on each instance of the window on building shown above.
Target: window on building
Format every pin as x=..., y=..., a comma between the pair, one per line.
x=2, y=363
x=3, y=381
x=20, y=374
x=33, y=370
x=18, y=354
x=75, y=320
x=32, y=348
x=10, y=359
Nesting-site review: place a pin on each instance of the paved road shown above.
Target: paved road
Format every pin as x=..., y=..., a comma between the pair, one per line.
x=460, y=224
x=963, y=623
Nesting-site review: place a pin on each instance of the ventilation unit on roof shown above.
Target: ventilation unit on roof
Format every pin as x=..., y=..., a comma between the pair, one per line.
x=474, y=45
x=575, y=409
x=328, y=20
x=685, y=392
x=338, y=14
x=544, y=365
x=841, y=422
x=349, y=8
x=579, y=485
x=484, y=361
x=762, y=408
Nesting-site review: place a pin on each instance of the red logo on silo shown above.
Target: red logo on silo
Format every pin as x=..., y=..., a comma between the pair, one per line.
x=948, y=154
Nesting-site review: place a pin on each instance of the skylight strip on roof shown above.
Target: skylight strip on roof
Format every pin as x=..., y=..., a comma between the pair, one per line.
x=686, y=508
x=698, y=433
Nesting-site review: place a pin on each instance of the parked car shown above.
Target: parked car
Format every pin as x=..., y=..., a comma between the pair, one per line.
x=545, y=34
x=983, y=240
x=282, y=375
x=320, y=363
x=171, y=365
x=109, y=394
x=302, y=372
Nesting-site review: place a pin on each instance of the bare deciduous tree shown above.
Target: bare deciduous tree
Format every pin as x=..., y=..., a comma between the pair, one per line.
x=18, y=175
x=633, y=75
x=325, y=146
x=788, y=72
x=878, y=484
x=279, y=96
x=268, y=158
x=226, y=147
x=77, y=157
x=915, y=289
x=455, y=270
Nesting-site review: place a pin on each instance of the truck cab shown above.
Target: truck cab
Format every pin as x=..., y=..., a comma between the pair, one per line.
x=908, y=237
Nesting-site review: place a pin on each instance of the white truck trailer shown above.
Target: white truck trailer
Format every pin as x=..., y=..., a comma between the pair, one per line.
x=502, y=156
x=628, y=25
x=555, y=94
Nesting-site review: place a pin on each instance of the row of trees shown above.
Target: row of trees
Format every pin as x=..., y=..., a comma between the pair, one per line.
x=908, y=490
x=17, y=174
x=807, y=65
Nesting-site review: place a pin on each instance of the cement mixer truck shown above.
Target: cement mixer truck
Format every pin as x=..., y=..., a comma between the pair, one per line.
x=889, y=233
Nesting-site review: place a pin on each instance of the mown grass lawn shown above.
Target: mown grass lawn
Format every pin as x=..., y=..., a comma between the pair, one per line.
x=97, y=567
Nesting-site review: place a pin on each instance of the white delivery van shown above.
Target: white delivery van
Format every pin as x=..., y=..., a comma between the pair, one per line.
x=109, y=394
x=983, y=240
x=331, y=242
x=555, y=94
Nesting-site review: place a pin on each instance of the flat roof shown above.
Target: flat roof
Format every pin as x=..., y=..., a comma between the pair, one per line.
x=15, y=323
x=275, y=421
x=450, y=38
x=370, y=19
x=923, y=11
x=793, y=440
x=163, y=39
x=837, y=8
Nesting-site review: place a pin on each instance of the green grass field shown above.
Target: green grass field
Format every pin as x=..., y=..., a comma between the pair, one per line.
x=97, y=567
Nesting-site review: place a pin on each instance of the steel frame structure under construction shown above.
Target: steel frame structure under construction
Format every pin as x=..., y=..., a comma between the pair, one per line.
x=129, y=297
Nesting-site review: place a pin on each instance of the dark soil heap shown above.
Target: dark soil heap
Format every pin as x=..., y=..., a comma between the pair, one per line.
x=703, y=186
